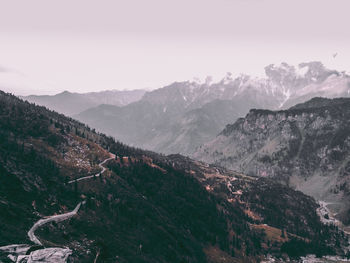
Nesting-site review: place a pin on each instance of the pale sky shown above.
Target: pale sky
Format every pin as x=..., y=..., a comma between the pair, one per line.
x=47, y=46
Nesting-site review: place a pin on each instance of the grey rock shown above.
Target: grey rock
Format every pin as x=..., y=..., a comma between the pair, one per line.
x=54, y=255
x=306, y=147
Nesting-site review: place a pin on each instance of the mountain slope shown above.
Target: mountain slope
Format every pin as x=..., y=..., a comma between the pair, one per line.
x=306, y=147
x=145, y=207
x=180, y=117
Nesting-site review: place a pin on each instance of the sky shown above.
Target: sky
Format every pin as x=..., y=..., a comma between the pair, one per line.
x=48, y=46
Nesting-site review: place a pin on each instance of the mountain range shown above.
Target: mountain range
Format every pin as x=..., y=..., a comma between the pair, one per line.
x=184, y=115
x=180, y=117
x=143, y=207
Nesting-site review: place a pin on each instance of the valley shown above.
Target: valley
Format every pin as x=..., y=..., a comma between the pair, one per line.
x=134, y=201
x=264, y=151
x=174, y=131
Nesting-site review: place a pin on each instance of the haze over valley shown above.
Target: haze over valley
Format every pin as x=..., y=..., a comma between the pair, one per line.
x=180, y=117
x=160, y=131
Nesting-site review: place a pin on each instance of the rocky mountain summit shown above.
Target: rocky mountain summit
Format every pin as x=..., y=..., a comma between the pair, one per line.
x=182, y=116
x=306, y=147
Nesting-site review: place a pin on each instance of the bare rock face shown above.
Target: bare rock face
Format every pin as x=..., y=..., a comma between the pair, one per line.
x=21, y=254
x=306, y=147
x=54, y=255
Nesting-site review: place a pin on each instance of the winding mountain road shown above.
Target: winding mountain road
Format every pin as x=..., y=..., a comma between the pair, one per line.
x=17, y=252
x=55, y=218
x=65, y=216
x=112, y=156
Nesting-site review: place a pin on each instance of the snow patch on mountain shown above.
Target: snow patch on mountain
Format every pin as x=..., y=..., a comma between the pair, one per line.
x=301, y=70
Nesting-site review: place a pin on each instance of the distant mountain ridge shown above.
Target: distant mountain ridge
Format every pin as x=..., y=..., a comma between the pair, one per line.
x=182, y=116
x=73, y=103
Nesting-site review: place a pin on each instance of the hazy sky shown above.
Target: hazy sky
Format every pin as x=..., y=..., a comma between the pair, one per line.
x=47, y=46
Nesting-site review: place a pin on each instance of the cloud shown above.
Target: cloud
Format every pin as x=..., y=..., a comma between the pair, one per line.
x=13, y=71
x=4, y=69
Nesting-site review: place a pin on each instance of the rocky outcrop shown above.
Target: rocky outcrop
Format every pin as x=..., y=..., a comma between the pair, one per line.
x=306, y=147
x=23, y=253
x=49, y=255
